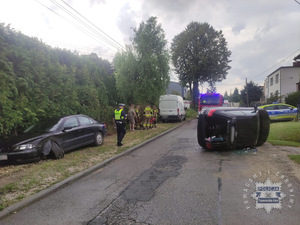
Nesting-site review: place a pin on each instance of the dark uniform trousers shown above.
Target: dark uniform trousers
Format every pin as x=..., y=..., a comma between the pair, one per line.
x=121, y=131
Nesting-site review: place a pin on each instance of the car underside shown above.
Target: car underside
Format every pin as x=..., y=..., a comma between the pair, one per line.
x=232, y=128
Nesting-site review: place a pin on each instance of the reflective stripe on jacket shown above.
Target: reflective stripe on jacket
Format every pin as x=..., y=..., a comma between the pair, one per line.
x=147, y=112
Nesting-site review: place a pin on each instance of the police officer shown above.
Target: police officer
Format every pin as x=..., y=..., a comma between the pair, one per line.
x=119, y=118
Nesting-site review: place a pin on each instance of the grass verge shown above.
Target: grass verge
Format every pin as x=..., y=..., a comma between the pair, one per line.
x=285, y=133
x=295, y=158
x=20, y=181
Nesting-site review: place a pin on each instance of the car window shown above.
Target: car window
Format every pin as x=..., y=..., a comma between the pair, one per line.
x=84, y=120
x=92, y=121
x=269, y=107
x=276, y=107
x=283, y=107
x=71, y=122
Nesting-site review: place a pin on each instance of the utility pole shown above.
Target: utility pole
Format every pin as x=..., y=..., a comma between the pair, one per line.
x=247, y=96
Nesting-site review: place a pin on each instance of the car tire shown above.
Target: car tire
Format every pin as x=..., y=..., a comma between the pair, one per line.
x=57, y=151
x=201, y=131
x=98, y=138
x=264, y=127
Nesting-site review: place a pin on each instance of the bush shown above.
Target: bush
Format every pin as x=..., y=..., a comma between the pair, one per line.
x=293, y=98
x=191, y=114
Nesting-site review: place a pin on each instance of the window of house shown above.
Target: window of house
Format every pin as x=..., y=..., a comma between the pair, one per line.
x=271, y=82
x=277, y=78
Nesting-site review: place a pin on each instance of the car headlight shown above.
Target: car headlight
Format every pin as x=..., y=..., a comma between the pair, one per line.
x=23, y=147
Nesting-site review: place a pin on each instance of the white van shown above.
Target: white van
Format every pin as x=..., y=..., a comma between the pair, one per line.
x=171, y=107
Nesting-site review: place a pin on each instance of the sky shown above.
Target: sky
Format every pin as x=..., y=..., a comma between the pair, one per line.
x=262, y=35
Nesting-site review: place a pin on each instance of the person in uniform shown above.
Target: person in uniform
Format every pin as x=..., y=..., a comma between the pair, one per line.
x=119, y=119
x=155, y=115
x=147, y=117
x=137, y=117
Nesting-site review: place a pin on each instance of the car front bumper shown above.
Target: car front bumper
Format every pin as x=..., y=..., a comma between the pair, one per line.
x=20, y=156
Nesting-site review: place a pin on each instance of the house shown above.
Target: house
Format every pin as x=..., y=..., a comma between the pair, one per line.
x=175, y=88
x=283, y=81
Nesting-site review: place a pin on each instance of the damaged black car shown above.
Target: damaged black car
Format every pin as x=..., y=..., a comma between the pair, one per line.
x=53, y=137
x=232, y=128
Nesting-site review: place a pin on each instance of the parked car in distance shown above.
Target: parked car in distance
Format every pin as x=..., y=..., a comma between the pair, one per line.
x=53, y=137
x=232, y=128
x=171, y=107
x=280, y=111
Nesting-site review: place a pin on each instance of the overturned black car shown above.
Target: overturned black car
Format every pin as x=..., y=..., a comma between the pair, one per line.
x=232, y=128
x=52, y=137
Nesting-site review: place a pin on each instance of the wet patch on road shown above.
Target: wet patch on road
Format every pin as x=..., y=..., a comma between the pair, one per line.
x=126, y=209
x=143, y=188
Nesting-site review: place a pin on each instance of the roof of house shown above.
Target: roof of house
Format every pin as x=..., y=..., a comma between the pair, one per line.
x=297, y=57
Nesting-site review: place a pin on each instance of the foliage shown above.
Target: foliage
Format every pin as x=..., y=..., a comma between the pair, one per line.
x=175, y=93
x=251, y=93
x=285, y=133
x=39, y=82
x=200, y=54
x=226, y=96
x=191, y=113
x=235, y=96
x=274, y=98
x=295, y=158
x=142, y=70
x=293, y=98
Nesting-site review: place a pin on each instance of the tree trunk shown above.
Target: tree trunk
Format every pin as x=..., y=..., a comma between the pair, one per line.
x=195, y=93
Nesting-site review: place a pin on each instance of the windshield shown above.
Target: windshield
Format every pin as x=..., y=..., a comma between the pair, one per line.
x=210, y=99
x=44, y=126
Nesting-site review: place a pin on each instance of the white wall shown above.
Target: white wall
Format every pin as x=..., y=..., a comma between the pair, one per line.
x=288, y=77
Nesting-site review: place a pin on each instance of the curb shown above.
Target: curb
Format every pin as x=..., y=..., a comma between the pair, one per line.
x=60, y=185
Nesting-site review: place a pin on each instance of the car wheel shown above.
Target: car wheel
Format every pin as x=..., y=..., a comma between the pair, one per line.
x=264, y=127
x=201, y=131
x=57, y=151
x=98, y=139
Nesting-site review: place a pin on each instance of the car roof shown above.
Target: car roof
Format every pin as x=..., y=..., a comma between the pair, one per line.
x=276, y=104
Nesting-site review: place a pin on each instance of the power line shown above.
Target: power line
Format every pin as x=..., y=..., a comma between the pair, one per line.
x=83, y=26
x=109, y=37
x=86, y=27
x=276, y=64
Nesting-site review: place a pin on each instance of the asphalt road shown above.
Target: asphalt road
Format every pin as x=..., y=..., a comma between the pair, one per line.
x=173, y=181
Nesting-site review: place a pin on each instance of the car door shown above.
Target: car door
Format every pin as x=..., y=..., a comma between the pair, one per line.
x=71, y=133
x=87, y=129
x=271, y=111
x=287, y=112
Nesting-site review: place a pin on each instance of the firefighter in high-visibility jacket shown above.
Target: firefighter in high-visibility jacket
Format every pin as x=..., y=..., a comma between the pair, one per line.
x=155, y=115
x=119, y=119
x=147, y=117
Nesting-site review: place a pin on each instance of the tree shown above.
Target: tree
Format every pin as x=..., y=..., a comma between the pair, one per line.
x=38, y=82
x=251, y=93
x=200, y=54
x=235, y=97
x=142, y=70
x=274, y=98
x=226, y=96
